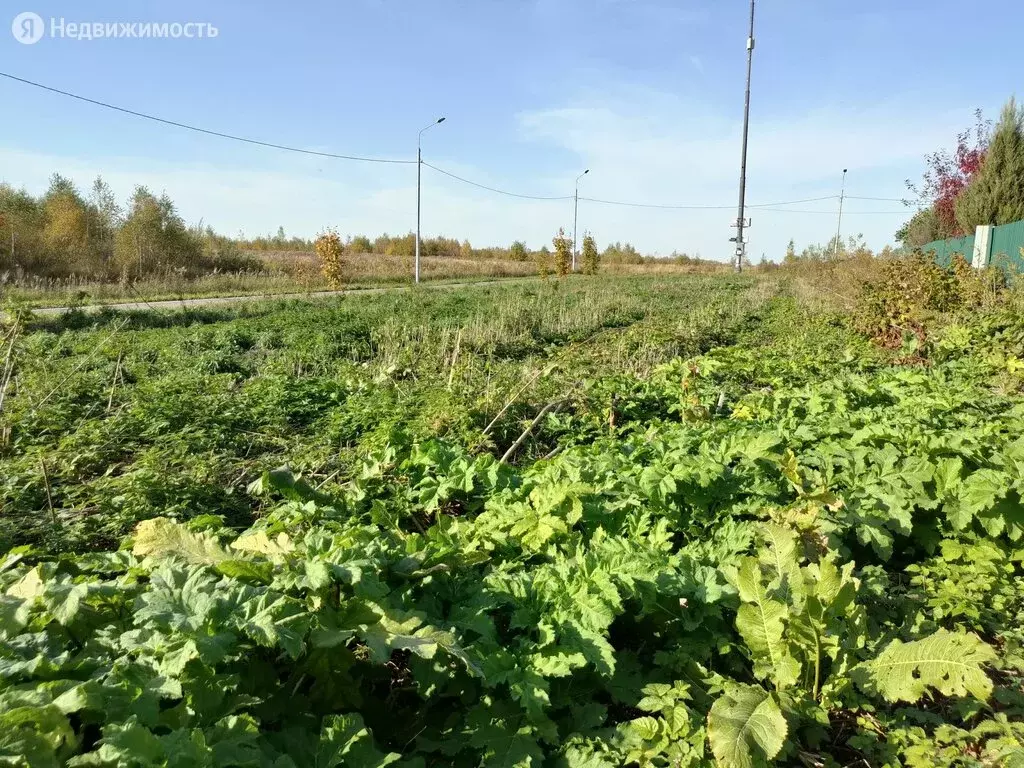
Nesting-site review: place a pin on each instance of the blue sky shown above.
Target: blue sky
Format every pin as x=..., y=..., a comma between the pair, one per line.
x=646, y=93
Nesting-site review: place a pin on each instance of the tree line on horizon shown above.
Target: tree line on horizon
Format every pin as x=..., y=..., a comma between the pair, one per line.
x=65, y=232
x=447, y=247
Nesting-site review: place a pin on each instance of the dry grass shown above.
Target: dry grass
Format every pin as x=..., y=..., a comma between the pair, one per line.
x=74, y=290
x=665, y=268
x=527, y=319
x=365, y=268
x=831, y=285
x=283, y=272
x=286, y=272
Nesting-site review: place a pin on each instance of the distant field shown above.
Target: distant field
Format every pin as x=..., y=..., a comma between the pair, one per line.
x=376, y=268
x=284, y=272
x=372, y=266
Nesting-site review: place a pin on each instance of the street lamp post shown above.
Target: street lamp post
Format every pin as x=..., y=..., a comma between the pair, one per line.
x=575, y=213
x=839, y=227
x=419, y=175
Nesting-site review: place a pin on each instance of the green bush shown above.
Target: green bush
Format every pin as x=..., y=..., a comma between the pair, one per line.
x=591, y=258
x=908, y=291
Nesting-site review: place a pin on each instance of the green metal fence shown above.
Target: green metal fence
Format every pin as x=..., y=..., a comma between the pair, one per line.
x=1005, y=246
x=1007, y=242
x=944, y=249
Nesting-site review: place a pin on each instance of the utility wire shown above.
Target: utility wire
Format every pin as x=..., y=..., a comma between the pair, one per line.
x=495, y=189
x=796, y=202
x=882, y=199
x=833, y=213
x=705, y=207
x=655, y=205
x=203, y=130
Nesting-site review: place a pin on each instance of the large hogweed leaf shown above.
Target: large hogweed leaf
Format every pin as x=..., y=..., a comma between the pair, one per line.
x=393, y=631
x=503, y=737
x=35, y=736
x=800, y=623
x=977, y=494
x=951, y=663
x=48, y=589
x=161, y=537
x=746, y=727
x=761, y=622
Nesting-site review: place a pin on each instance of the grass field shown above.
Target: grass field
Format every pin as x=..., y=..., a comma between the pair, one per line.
x=282, y=273
x=653, y=520
x=292, y=272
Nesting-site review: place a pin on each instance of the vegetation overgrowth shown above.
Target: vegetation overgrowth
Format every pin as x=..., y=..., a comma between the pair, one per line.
x=581, y=524
x=192, y=405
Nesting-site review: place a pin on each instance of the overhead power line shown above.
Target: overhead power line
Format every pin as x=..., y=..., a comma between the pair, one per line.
x=197, y=129
x=659, y=206
x=495, y=189
x=705, y=207
x=833, y=213
x=882, y=199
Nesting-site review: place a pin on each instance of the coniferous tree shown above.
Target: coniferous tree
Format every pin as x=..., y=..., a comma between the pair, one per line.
x=790, y=257
x=996, y=194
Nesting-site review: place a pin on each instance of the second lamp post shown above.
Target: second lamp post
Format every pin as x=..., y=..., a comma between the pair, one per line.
x=839, y=226
x=419, y=174
x=575, y=212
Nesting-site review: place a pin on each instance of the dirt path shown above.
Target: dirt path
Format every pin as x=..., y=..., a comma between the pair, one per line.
x=219, y=300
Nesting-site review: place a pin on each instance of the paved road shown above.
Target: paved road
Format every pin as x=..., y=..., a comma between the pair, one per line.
x=219, y=300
